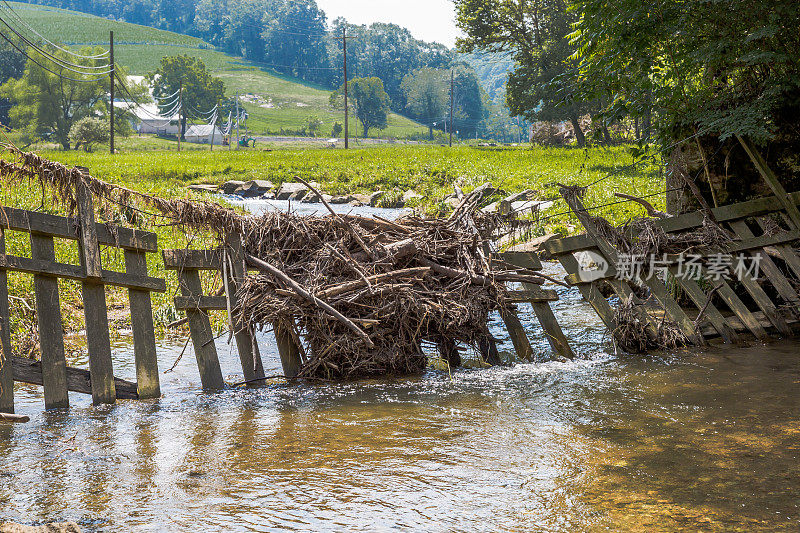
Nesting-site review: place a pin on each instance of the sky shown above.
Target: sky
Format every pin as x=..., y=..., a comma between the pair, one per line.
x=429, y=20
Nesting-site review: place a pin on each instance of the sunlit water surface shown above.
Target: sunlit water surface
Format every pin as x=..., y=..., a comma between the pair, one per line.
x=693, y=441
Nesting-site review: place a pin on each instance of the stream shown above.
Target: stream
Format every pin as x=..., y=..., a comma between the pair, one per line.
x=702, y=441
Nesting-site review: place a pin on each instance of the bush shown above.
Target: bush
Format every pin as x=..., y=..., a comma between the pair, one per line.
x=89, y=131
x=337, y=130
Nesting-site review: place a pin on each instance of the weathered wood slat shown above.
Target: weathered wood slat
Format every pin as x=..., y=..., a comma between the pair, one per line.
x=568, y=245
x=591, y=293
x=246, y=345
x=786, y=252
x=51, y=336
x=77, y=379
x=6, y=372
x=67, y=228
x=534, y=295
x=288, y=350
x=726, y=213
x=527, y=260
x=98, y=340
x=144, y=338
x=780, y=193
x=202, y=335
x=552, y=330
x=203, y=303
x=701, y=300
x=773, y=273
x=519, y=338
x=754, y=243
x=67, y=271
x=193, y=259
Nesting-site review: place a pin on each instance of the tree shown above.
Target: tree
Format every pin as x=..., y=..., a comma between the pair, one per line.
x=47, y=104
x=536, y=34
x=12, y=66
x=200, y=91
x=371, y=103
x=294, y=42
x=313, y=125
x=426, y=93
x=706, y=72
x=88, y=131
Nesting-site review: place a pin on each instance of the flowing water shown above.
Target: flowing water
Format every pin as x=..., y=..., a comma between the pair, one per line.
x=692, y=441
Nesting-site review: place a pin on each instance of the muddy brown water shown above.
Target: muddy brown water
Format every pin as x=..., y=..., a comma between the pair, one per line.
x=694, y=441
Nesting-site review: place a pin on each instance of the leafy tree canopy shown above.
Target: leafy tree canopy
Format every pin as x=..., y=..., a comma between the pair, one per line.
x=371, y=103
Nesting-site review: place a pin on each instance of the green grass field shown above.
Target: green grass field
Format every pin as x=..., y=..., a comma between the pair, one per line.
x=140, y=49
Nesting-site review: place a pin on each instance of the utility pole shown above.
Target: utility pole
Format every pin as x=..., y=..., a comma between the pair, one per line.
x=237, y=119
x=346, y=109
x=214, y=125
x=452, y=103
x=113, y=72
x=180, y=113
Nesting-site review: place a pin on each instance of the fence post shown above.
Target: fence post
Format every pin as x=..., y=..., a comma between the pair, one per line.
x=202, y=335
x=144, y=337
x=51, y=334
x=6, y=368
x=95, y=311
x=247, y=346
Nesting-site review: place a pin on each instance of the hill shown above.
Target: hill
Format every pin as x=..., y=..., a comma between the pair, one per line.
x=281, y=105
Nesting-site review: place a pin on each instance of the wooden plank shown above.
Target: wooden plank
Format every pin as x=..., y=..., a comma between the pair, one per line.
x=701, y=300
x=578, y=279
x=144, y=336
x=770, y=269
x=591, y=293
x=288, y=351
x=527, y=260
x=786, y=252
x=568, y=245
x=246, y=345
x=552, y=330
x=193, y=259
x=204, y=303
x=772, y=180
x=51, y=335
x=736, y=305
x=67, y=228
x=764, y=240
x=98, y=340
x=534, y=295
x=88, y=245
x=77, y=379
x=522, y=345
x=202, y=335
x=6, y=372
x=67, y=271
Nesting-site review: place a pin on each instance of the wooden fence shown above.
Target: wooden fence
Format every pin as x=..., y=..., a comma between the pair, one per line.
x=52, y=372
x=764, y=228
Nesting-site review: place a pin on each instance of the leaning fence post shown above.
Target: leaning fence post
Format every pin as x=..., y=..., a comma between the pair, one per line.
x=6, y=369
x=95, y=311
x=201, y=333
x=252, y=366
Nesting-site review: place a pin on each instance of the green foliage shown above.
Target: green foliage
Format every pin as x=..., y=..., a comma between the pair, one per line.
x=199, y=90
x=47, y=104
x=89, y=131
x=426, y=93
x=371, y=103
x=723, y=67
x=337, y=129
x=313, y=125
x=535, y=33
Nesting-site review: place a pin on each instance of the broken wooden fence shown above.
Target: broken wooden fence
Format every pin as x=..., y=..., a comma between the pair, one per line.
x=52, y=372
x=766, y=227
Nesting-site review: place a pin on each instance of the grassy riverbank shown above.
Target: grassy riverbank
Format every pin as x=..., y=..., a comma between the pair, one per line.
x=429, y=170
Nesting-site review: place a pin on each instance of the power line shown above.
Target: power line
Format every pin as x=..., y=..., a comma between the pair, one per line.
x=12, y=43
x=13, y=12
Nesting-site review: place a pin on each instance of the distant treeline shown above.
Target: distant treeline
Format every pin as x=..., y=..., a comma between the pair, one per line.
x=291, y=36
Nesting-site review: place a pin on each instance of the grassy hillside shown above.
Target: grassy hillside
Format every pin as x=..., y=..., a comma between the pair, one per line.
x=140, y=48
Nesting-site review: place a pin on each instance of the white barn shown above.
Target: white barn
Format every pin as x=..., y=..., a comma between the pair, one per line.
x=203, y=133
x=148, y=120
